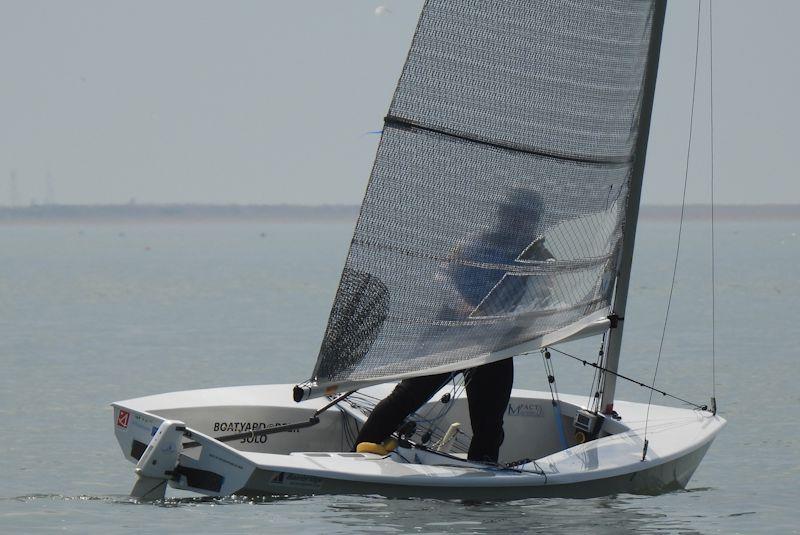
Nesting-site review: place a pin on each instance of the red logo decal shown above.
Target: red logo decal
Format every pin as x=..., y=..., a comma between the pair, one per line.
x=122, y=418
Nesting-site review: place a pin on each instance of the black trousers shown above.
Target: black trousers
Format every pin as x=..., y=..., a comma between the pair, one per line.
x=488, y=392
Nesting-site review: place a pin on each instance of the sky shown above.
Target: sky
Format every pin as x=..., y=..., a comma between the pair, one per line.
x=264, y=102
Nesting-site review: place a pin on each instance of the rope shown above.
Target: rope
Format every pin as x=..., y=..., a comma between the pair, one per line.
x=594, y=393
x=433, y=413
x=551, y=383
x=680, y=226
x=626, y=378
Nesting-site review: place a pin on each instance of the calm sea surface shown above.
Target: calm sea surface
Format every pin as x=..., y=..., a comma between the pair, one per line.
x=91, y=314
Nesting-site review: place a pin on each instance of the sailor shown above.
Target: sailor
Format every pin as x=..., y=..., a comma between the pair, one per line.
x=488, y=386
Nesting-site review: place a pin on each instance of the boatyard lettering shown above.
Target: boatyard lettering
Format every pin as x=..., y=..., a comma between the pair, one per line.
x=243, y=427
x=237, y=427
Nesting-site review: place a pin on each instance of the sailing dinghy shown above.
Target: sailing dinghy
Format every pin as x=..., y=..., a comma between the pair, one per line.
x=499, y=220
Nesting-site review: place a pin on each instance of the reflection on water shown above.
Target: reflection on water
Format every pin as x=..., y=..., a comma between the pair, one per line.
x=361, y=514
x=606, y=515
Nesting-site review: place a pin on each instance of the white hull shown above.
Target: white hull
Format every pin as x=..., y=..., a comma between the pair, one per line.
x=316, y=460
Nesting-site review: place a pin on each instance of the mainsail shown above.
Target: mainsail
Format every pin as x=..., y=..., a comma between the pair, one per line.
x=494, y=214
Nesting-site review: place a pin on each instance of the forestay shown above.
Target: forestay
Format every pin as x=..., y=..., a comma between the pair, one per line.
x=494, y=214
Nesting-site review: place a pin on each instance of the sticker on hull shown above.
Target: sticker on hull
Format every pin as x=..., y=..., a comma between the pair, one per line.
x=122, y=418
x=526, y=410
x=299, y=481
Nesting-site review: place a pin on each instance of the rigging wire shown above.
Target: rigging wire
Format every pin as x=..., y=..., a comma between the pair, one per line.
x=680, y=228
x=713, y=240
x=625, y=378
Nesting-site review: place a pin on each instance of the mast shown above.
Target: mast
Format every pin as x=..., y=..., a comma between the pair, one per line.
x=632, y=210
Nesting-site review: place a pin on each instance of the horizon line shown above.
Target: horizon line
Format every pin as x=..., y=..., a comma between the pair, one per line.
x=341, y=213
x=334, y=204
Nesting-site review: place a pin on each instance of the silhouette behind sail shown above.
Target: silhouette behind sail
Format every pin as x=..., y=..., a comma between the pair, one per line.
x=494, y=213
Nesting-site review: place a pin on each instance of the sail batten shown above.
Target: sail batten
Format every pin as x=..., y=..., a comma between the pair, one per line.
x=493, y=216
x=398, y=122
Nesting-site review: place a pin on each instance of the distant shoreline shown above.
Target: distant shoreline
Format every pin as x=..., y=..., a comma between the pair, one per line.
x=287, y=213
x=166, y=213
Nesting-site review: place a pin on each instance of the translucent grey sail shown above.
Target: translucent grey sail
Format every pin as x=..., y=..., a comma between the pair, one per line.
x=494, y=213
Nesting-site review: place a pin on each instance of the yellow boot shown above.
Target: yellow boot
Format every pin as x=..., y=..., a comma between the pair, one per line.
x=383, y=448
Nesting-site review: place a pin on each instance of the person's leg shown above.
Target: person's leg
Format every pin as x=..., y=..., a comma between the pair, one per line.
x=488, y=392
x=406, y=397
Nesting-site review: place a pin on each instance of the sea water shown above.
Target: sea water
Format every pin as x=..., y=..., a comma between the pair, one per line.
x=90, y=314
